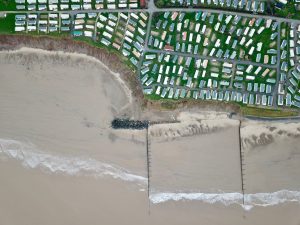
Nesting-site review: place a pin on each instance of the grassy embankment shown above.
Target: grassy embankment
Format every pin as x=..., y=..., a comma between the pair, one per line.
x=109, y=49
x=171, y=104
x=261, y=112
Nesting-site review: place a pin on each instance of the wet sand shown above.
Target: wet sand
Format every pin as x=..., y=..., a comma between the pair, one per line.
x=198, y=155
x=30, y=196
x=271, y=156
x=61, y=163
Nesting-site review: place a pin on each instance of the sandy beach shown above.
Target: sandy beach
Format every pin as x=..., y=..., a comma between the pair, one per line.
x=64, y=104
x=185, y=157
x=271, y=156
x=62, y=163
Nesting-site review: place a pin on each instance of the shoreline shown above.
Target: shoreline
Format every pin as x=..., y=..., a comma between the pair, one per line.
x=92, y=200
x=87, y=168
x=54, y=165
x=116, y=64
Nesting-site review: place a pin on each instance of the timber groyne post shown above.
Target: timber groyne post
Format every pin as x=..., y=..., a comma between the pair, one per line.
x=241, y=162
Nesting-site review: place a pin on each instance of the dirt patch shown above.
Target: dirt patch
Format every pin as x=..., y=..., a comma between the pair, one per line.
x=272, y=128
x=255, y=141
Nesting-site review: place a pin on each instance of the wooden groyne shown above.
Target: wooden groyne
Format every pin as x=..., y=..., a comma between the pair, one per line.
x=241, y=163
x=140, y=125
x=137, y=125
x=148, y=159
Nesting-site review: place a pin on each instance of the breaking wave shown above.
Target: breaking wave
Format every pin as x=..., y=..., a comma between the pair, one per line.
x=32, y=158
x=250, y=200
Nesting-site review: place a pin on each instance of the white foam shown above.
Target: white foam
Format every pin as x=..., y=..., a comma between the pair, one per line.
x=273, y=198
x=250, y=200
x=32, y=158
x=224, y=198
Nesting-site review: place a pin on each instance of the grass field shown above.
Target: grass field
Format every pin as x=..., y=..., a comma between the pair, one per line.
x=7, y=5
x=260, y=112
x=288, y=11
x=7, y=24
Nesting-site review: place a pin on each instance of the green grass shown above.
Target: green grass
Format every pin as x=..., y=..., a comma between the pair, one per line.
x=7, y=24
x=153, y=96
x=59, y=34
x=288, y=11
x=261, y=112
x=7, y=5
x=170, y=104
x=165, y=103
